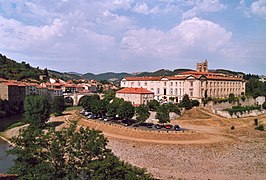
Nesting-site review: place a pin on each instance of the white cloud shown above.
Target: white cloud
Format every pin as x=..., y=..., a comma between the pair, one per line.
x=203, y=6
x=144, y=9
x=259, y=8
x=197, y=35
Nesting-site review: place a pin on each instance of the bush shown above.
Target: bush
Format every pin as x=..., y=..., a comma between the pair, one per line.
x=264, y=105
x=260, y=128
x=241, y=109
x=195, y=103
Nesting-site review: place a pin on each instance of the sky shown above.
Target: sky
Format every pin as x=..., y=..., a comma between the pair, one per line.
x=100, y=36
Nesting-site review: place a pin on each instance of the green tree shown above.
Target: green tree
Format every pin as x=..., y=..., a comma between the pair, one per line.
x=195, y=102
x=264, y=105
x=88, y=101
x=142, y=113
x=231, y=98
x=36, y=110
x=186, y=102
x=58, y=105
x=162, y=114
x=112, y=108
x=153, y=105
x=126, y=111
x=68, y=154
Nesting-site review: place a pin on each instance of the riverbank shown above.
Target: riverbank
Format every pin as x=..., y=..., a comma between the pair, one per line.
x=238, y=153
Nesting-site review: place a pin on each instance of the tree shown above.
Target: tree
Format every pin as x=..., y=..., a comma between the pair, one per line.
x=58, y=105
x=112, y=108
x=186, y=102
x=68, y=154
x=153, y=105
x=162, y=114
x=88, y=101
x=195, y=102
x=264, y=105
x=231, y=98
x=126, y=111
x=36, y=110
x=142, y=113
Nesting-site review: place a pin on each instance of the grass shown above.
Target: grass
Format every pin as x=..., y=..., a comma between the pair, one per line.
x=17, y=124
x=73, y=108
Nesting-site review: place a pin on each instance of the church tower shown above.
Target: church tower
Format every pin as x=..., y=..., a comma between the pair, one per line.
x=202, y=67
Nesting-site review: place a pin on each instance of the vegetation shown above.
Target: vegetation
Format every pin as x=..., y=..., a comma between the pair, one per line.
x=264, y=105
x=241, y=109
x=36, y=110
x=58, y=106
x=153, y=105
x=255, y=88
x=162, y=114
x=172, y=108
x=112, y=108
x=195, y=102
x=142, y=113
x=68, y=154
x=7, y=108
x=186, y=102
x=65, y=154
x=260, y=127
x=126, y=110
x=10, y=69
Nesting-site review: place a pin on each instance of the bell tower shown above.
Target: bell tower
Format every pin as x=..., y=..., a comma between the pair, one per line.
x=202, y=67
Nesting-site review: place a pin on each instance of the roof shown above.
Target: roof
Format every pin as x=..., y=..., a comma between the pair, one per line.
x=145, y=78
x=135, y=91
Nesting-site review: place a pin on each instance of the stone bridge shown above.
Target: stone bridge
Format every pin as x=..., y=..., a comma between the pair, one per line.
x=76, y=97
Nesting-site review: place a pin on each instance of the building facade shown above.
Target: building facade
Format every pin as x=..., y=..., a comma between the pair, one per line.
x=136, y=96
x=197, y=84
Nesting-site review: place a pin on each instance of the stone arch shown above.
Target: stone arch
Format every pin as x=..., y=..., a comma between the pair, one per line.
x=80, y=99
x=69, y=101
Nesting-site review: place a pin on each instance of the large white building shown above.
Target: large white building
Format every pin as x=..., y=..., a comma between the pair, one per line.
x=197, y=84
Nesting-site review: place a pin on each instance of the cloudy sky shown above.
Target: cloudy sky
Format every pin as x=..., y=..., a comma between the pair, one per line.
x=135, y=35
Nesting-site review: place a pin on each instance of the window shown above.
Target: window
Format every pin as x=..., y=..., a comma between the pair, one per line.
x=191, y=83
x=171, y=83
x=139, y=83
x=164, y=91
x=191, y=93
x=164, y=83
x=145, y=84
x=132, y=83
x=171, y=91
x=175, y=83
x=158, y=90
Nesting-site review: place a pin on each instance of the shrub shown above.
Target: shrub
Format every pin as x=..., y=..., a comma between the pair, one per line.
x=195, y=102
x=264, y=105
x=241, y=109
x=260, y=128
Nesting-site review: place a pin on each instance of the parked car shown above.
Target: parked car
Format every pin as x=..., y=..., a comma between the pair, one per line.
x=158, y=126
x=149, y=125
x=177, y=127
x=168, y=126
x=142, y=124
x=127, y=122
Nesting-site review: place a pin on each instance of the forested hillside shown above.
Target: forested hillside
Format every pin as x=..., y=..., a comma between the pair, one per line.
x=11, y=69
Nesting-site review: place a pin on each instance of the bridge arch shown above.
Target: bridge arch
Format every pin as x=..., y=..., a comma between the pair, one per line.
x=69, y=101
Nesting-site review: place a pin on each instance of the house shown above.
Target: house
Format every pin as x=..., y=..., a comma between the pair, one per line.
x=136, y=96
x=197, y=84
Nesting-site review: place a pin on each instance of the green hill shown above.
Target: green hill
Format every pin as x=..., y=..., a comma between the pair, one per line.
x=11, y=69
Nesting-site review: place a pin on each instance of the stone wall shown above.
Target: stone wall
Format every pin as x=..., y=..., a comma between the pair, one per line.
x=253, y=113
x=220, y=106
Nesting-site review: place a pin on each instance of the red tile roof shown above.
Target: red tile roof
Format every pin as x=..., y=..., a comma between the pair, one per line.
x=145, y=78
x=135, y=91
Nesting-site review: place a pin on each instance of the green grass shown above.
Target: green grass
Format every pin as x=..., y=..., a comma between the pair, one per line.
x=73, y=108
x=17, y=124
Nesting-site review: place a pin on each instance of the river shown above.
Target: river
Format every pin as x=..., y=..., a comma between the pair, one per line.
x=6, y=161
